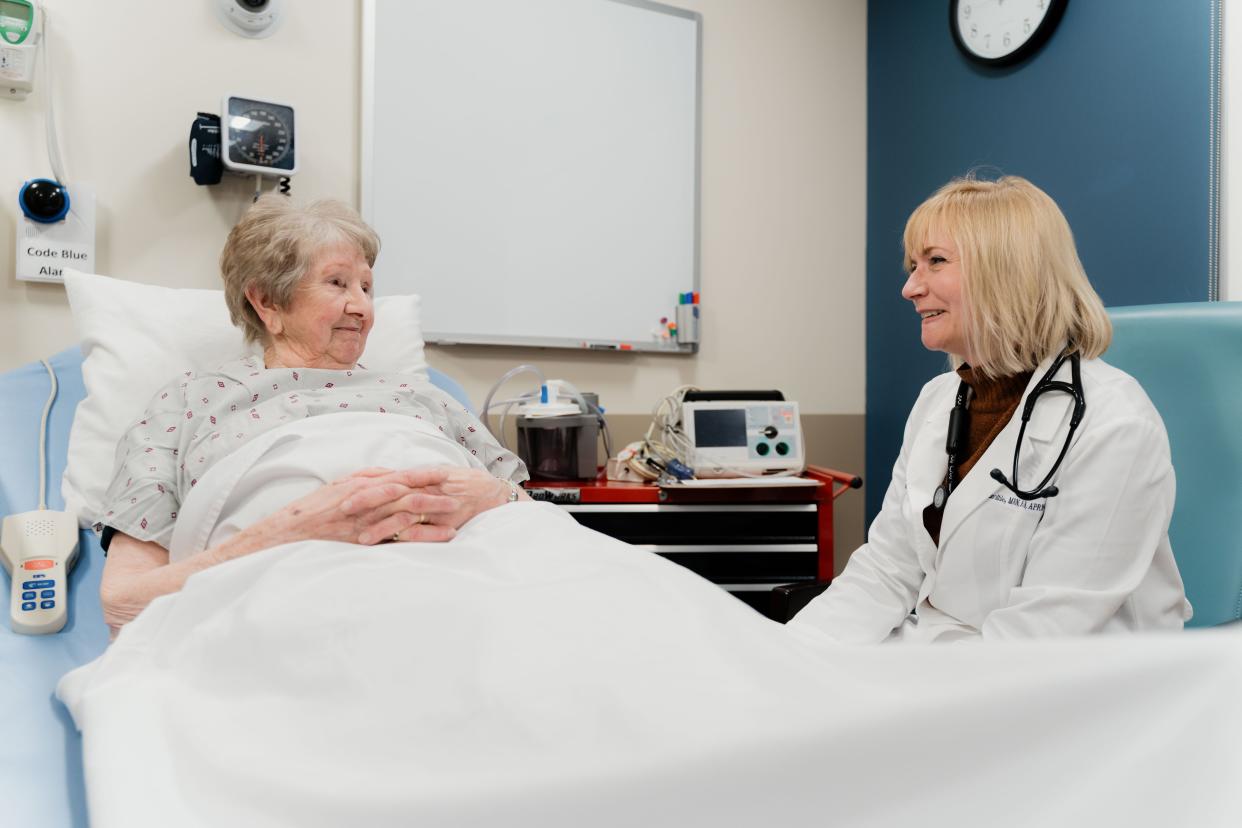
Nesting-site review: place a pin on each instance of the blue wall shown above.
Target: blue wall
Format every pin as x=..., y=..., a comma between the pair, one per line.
x=1110, y=118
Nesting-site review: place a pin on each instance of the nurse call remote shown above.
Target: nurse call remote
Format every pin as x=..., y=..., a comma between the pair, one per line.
x=38, y=549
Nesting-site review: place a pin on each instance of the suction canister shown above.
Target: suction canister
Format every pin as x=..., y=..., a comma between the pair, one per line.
x=560, y=443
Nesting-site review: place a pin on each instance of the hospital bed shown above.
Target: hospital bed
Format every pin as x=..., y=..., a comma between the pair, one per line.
x=40, y=749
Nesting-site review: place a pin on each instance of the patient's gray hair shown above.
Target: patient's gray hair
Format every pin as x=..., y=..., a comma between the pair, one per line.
x=275, y=244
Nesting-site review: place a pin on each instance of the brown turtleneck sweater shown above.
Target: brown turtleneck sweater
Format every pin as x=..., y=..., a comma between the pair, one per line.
x=993, y=405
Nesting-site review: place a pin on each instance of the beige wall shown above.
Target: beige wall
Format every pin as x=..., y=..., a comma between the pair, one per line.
x=783, y=184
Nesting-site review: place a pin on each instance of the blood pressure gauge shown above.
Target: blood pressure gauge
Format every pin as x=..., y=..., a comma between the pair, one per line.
x=259, y=137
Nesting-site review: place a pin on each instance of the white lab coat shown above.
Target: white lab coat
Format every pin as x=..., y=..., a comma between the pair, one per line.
x=1095, y=558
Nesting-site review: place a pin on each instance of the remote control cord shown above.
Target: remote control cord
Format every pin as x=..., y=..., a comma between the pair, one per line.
x=43, y=438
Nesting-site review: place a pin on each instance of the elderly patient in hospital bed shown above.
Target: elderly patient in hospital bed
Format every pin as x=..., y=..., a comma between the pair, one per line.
x=299, y=283
x=381, y=629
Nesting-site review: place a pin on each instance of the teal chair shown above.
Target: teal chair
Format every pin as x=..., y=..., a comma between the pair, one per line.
x=1188, y=357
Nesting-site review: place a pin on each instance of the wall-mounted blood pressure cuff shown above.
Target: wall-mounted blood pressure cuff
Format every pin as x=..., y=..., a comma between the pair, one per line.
x=206, y=166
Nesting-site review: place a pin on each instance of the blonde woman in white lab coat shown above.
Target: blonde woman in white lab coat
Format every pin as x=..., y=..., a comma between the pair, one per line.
x=963, y=550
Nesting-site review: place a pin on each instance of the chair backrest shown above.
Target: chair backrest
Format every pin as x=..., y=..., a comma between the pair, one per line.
x=1188, y=358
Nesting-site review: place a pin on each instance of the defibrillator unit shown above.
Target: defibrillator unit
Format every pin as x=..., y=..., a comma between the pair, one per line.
x=738, y=437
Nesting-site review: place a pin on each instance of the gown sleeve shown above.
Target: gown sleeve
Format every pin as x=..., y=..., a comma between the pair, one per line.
x=474, y=437
x=143, y=498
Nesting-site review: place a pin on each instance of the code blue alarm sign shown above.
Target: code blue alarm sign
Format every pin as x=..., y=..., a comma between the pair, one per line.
x=45, y=250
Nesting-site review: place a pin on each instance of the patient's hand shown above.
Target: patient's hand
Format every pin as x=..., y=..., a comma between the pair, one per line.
x=369, y=507
x=469, y=491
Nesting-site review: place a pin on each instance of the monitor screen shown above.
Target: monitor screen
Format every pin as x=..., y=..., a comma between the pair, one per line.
x=720, y=427
x=20, y=12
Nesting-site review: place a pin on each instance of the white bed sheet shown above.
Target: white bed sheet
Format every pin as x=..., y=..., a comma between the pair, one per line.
x=532, y=672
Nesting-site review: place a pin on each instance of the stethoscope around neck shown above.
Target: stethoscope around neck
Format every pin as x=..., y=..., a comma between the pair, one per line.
x=956, y=437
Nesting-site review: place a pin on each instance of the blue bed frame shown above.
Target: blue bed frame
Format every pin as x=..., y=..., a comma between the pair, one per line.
x=41, y=777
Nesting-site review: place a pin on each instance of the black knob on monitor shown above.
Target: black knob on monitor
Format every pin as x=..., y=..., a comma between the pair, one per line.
x=770, y=432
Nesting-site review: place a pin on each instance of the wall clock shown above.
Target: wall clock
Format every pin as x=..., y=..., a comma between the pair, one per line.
x=1003, y=32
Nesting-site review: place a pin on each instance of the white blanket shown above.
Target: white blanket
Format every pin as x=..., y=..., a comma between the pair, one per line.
x=532, y=672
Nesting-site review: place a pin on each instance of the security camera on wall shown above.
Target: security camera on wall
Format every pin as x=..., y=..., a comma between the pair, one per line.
x=251, y=18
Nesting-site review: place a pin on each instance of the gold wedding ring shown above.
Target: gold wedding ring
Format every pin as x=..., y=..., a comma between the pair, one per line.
x=421, y=518
x=396, y=536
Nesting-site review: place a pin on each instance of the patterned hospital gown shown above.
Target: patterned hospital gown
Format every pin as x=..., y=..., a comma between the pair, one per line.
x=198, y=419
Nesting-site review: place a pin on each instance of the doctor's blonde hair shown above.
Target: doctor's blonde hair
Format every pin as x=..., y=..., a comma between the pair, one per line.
x=1024, y=289
x=275, y=244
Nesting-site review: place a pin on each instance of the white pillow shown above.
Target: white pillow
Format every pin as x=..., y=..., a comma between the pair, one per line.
x=136, y=338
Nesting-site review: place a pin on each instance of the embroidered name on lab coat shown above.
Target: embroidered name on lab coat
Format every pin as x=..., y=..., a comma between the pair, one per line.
x=1010, y=500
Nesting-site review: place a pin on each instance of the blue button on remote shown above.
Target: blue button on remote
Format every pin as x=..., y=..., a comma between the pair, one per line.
x=32, y=584
x=46, y=604
x=28, y=606
x=48, y=593
x=28, y=596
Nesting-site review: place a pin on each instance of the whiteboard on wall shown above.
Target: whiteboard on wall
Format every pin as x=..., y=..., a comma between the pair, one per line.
x=532, y=167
